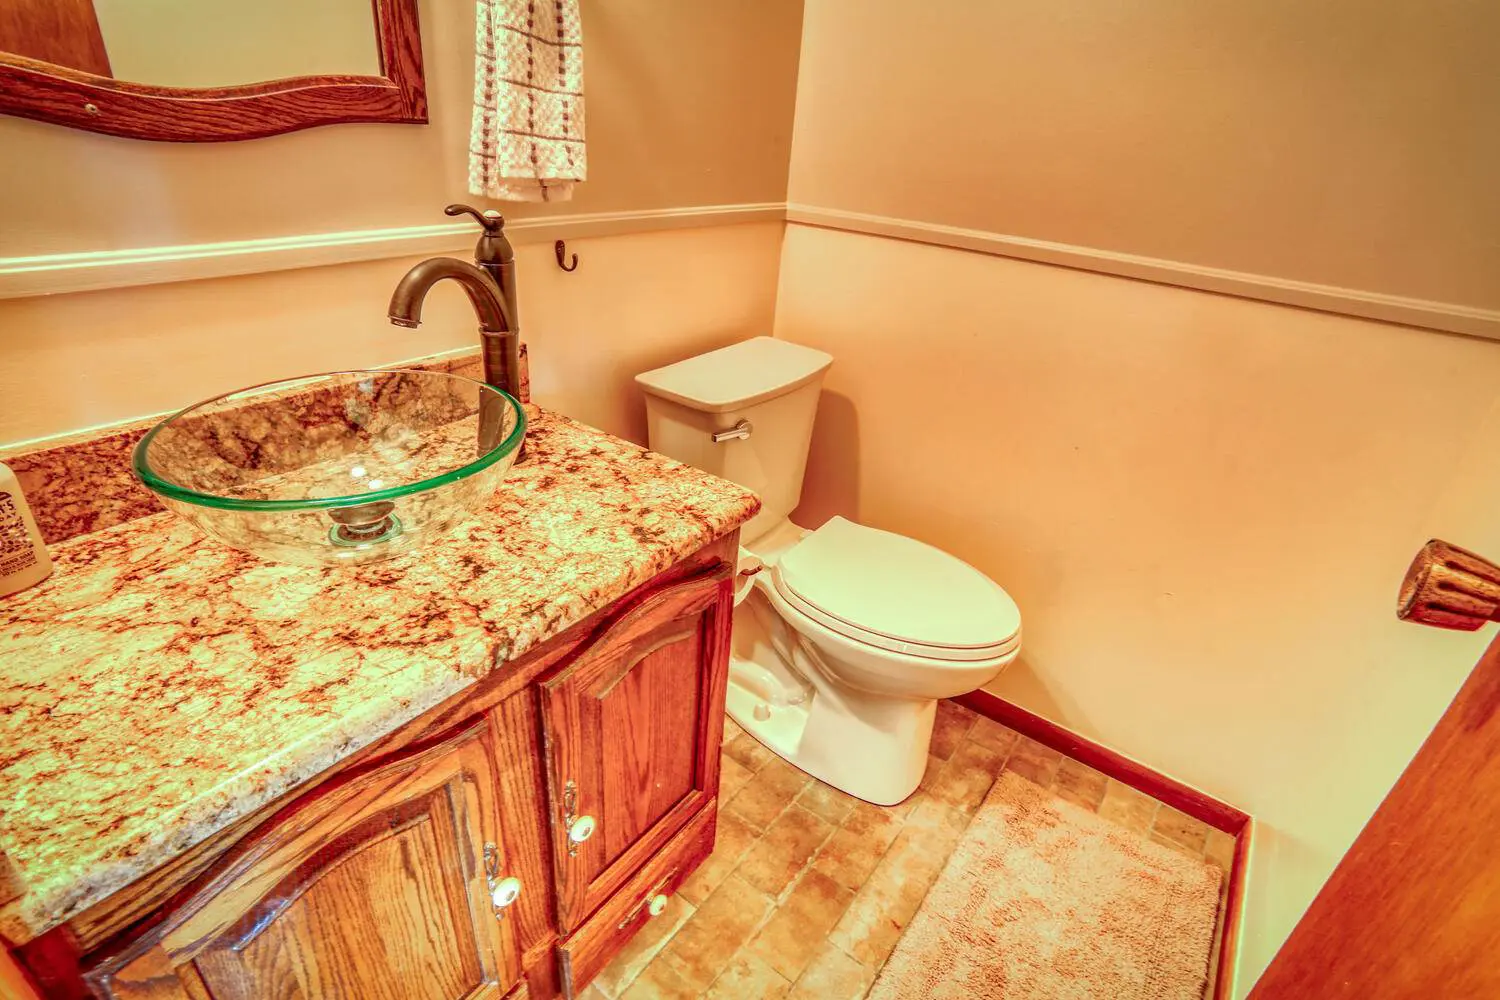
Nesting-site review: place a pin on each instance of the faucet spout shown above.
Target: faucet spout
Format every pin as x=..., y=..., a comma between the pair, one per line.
x=485, y=296
x=498, y=333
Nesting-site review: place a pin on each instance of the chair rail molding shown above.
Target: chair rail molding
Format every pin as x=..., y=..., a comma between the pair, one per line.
x=1443, y=316
x=51, y=274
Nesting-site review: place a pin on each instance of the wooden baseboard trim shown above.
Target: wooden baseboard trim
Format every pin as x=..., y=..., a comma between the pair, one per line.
x=1234, y=913
x=1200, y=806
x=1203, y=807
x=1449, y=317
x=51, y=274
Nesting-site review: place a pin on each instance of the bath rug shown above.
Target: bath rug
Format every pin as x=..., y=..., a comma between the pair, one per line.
x=1044, y=900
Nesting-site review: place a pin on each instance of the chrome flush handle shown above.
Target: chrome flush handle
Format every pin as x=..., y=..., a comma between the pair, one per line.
x=738, y=432
x=503, y=891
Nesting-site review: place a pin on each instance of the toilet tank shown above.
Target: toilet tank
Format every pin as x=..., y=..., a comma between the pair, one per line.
x=770, y=384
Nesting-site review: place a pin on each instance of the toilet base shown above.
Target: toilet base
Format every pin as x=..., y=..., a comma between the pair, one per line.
x=872, y=747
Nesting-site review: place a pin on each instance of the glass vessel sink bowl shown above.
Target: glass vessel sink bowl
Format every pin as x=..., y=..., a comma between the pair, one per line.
x=345, y=467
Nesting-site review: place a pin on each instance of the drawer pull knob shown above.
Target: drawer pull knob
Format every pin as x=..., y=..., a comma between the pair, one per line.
x=658, y=903
x=581, y=829
x=505, y=892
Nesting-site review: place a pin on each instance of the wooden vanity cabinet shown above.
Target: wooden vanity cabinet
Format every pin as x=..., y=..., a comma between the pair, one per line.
x=512, y=838
x=380, y=888
x=630, y=731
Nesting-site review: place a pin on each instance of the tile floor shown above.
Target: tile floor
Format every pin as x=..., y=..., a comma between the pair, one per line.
x=808, y=889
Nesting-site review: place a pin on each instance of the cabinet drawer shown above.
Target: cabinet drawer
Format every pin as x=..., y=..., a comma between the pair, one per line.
x=583, y=954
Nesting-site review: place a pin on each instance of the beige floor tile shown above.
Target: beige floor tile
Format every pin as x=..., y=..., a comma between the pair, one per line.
x=1182, y=849
x=798, y=929
x=771, y=790
x=1180, y=828
x=935, y=765
x=593, y=993
x=991, y=734
x=833, y=975
x=731, y=728
x=967, y=776
x=705, y=945
x=854, y=850
x=735, y=836
x=848, y=875
x=786, y=847
x=1079, y=784
x=885, y=904
x=1125, y=806
x=947, y=821
x=641, y=949
x=660, y=981
x=748, y=978
x=749, y=751
x=1034, y=762
x=826, y=801
x=1219, y=849
x=949, y=728
x=732, y=777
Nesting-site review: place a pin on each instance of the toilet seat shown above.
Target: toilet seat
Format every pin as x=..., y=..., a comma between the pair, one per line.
x=897, y=594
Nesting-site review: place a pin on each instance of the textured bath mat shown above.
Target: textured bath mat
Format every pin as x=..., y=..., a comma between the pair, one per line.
x=1043, y=900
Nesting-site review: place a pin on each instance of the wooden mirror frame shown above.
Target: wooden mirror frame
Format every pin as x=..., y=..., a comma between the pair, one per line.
x=46, y=92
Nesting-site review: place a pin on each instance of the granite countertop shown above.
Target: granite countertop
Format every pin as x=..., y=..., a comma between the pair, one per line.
x=159, y=686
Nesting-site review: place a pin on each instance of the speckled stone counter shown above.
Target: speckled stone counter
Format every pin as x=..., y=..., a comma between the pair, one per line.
x=161, y=686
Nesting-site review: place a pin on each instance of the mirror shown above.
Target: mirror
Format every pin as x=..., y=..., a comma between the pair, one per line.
x=210, y=70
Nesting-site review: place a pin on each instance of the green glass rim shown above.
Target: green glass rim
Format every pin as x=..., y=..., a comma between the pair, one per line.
x=156, y=484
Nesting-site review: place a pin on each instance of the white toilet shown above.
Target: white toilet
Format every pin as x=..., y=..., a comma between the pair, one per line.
x=845, y=636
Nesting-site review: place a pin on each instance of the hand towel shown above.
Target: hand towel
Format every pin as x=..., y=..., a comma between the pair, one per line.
x=527, y=138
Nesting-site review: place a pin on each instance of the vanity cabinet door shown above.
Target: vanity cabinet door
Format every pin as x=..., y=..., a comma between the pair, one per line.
x=379, y=887
x=631, y=731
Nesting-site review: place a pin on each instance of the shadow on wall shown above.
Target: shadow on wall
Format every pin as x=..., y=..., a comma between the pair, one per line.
x=1020, y=684
x=835, y=454
x=835, y=489
x=621, y=412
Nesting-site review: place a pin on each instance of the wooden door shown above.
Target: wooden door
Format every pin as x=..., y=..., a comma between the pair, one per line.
x=1413, y=910
x=379, y=888
x=630, y=729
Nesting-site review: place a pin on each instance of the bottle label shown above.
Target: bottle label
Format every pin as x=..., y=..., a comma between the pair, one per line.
x=16, y=551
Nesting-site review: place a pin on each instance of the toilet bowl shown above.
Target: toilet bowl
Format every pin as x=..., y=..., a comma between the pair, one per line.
x=844, y=636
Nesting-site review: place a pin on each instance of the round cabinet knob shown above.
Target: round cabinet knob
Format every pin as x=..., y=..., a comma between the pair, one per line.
x=581, y=830
x=657, y=904
x=505, y=892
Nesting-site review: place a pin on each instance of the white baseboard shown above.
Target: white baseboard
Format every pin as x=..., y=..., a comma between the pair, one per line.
x=81, y=272
x=1443, y=316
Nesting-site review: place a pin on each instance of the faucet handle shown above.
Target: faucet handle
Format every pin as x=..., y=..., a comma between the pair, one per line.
x=492, y=221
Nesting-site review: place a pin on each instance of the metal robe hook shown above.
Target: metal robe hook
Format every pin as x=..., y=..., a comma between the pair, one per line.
x=561, y=247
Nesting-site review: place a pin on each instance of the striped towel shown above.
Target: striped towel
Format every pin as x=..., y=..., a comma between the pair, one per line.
x=527, y=139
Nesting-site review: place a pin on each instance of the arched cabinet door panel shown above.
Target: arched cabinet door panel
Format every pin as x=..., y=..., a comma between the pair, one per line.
x=631, y=728
x=381, y=886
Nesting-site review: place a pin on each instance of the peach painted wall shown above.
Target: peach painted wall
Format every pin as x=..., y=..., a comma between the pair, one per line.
x=689, y=103
x=1350, y=143
x=1202, y=504
x=635, y=302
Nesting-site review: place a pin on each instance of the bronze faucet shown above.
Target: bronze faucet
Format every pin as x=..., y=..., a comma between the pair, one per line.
x=490, y=283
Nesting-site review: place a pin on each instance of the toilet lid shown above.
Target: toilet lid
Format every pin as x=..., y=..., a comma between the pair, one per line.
x=885, y=586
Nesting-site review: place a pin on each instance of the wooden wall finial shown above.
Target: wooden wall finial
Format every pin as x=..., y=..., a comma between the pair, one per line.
x=1450, y=587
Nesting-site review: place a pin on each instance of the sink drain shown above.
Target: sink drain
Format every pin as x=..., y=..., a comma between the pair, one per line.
x=364, y=524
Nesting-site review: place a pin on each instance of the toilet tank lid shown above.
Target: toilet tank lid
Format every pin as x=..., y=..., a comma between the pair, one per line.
x=738, y=375
x=898, y=587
